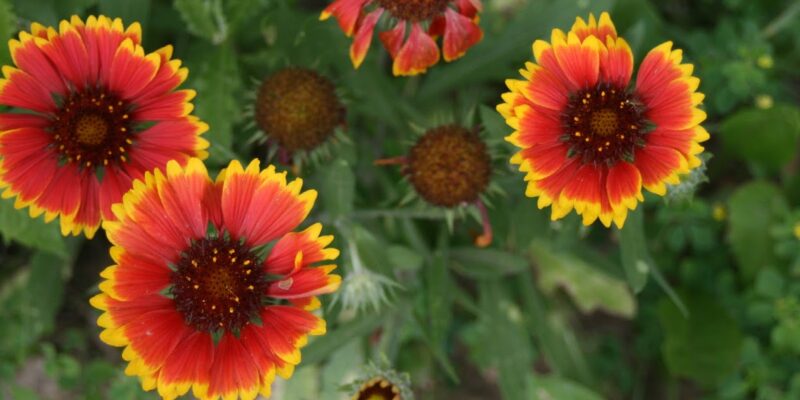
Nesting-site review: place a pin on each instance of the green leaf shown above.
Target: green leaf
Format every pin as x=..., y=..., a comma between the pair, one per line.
x=129, y=10
x=636, y=258
x=323, y=346
x=204, y=18
x=556, y=388
x=31, y=303
x=500, y=341
x=8, y=28
x=493, y=123
x=486, y=263
x=404, y=258
x=16, y=225
x=590, y=288
x=767, y=137
x=338, y=189
x=215, y=76
x=705, y=346
x=437, y=314
x=753, y=209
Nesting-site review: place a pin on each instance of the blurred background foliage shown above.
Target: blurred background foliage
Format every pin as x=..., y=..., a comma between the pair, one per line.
x=698, y=297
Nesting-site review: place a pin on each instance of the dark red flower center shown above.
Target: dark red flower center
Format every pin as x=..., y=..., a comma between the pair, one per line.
x=604, y=124
x=218, y=285
x=414, y=10
x=298, y=108
x=378, y=389
x=449, y=165
x=93, y=128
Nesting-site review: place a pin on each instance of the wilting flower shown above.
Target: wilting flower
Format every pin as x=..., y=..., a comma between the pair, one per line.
x=363, y=289
x=298, y=110
x=92, y=112
x=450, y=166
x=381, y=383
x=590, y=137
x=455, y=20
x=210, y=288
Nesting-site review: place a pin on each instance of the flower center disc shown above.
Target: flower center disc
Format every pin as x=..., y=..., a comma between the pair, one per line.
x=448, y=166
x=298, y=108
x=604, y=124
x=217, y=284
x=93, y=128
x=414, y=10
x=378, y=389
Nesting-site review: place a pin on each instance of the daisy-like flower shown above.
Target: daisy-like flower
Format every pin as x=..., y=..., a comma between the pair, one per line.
x=590, y=136
x=210, y=289
x=417, y=24
x=450, y=166
x=92, y=112
x=298, y=110
x=381, y=383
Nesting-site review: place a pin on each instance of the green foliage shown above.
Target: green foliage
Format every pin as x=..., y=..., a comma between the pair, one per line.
x=754, y=208
x=588, y=287
x=34, y=233
x=767, y=138
x=696, y=297
x=705, y=346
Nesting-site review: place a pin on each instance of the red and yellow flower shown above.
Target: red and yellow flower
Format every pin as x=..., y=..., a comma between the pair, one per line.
x=90, y=113
x=417, y=24
x=590, y=137
x=211, y=290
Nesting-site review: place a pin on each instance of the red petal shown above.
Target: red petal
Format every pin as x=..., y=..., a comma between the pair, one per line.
x=180, y=195
x=539, y=127
x=545, y=159
x=304, y=283
x=63, y=194
x=545, y=89
x=31, y=59
x=136, y=277
x=131, y=70
x=68, y=52
x=393, y=40
x=233, y=370
x=624, y=186
x=363, y=38
x=616, y=64
x=190, y=361
x=20, y=89
x=658, y=164
x=156, y=334
x=281, y=260
x=88, y=215
x=115, y=183
x=460, y=34
x=417, y=54
x=172, y=105
x=346, y=13
x=580, y=61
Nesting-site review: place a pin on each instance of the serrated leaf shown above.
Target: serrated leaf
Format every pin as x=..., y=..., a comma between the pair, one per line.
x=486, y=263
x=753, y=209
x=590, y=288
x=204, y=18
x=703, y=347
x=636, y=259
x=16, y=225
x=765, y=137
x=338, y=190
